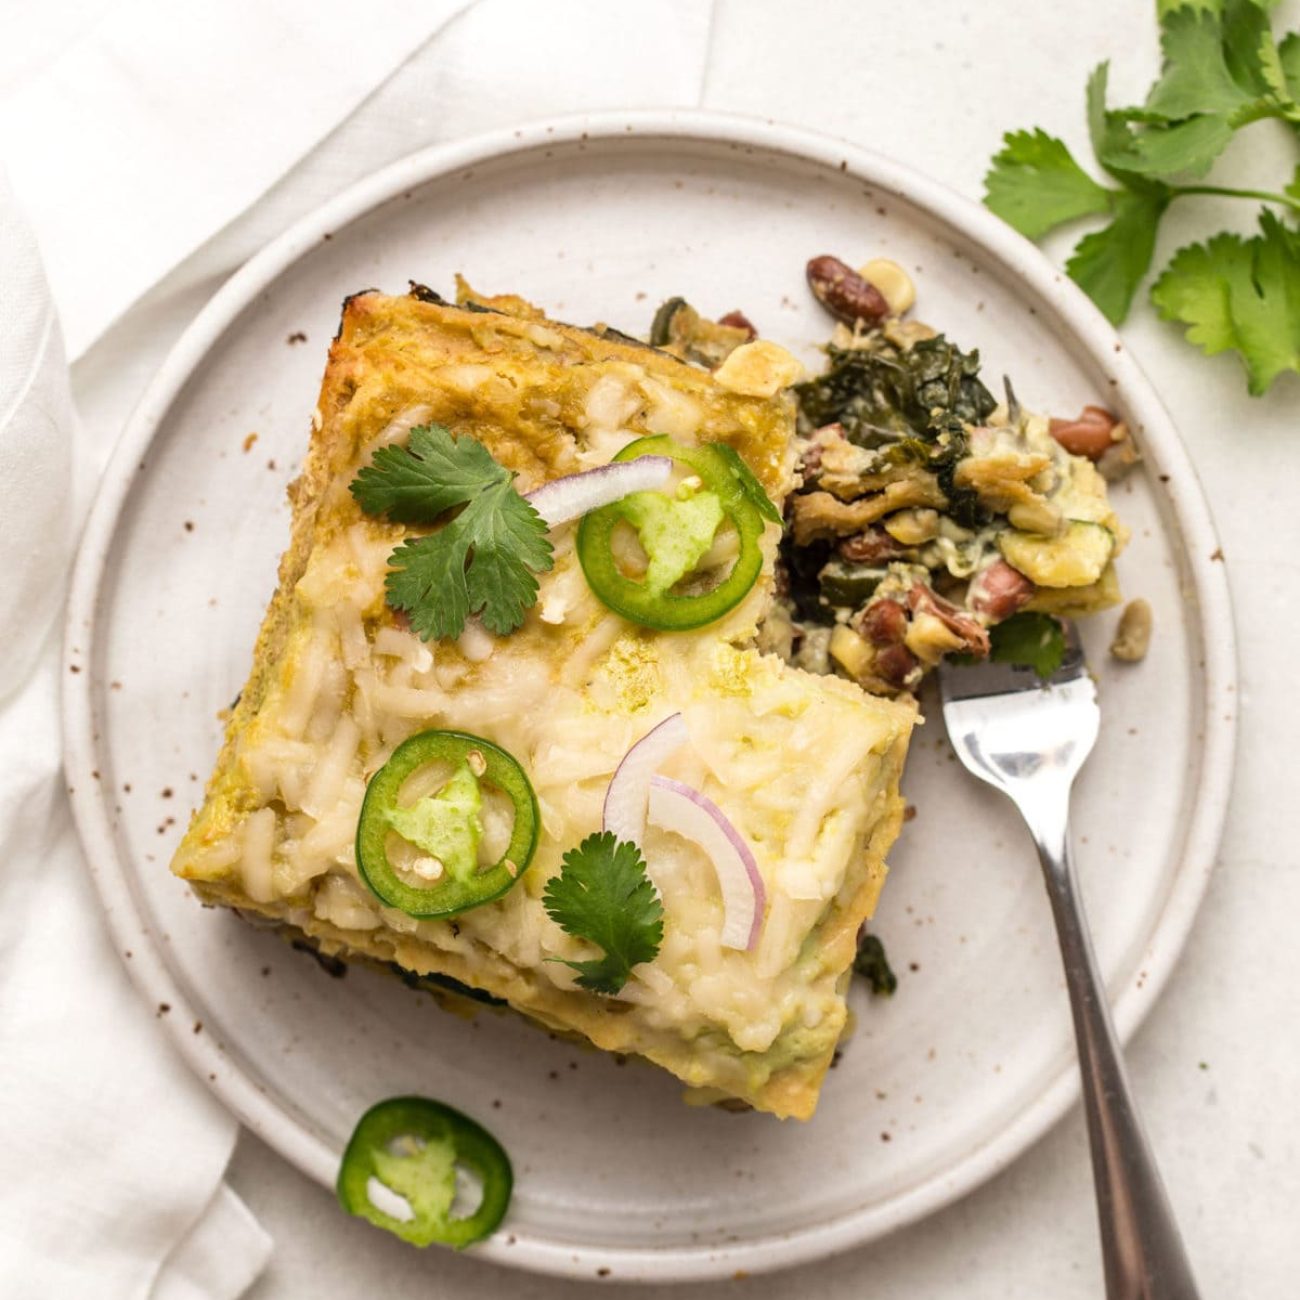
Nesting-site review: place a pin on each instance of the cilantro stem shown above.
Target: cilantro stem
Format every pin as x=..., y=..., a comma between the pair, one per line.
x=1225, y=191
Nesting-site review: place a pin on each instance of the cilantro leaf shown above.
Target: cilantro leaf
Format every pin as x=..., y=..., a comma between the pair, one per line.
x=1240, y=294
x=1110, y=263
x=1166, y=7
x=1222, y=70
x=1288, y=57
x=418, y=483
x=1035, y=640
x=1199, y=100
x=481, y=561
x=1190, y=146
x=604, y=895
x=1112, y=134
x=748, y=484
x=1255, y=61
x=1196, y=77
x=1035, y=185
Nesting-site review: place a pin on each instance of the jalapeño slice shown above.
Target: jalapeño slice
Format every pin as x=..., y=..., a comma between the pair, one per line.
x=412, y=1146
x=444, y=826
x=675, y=533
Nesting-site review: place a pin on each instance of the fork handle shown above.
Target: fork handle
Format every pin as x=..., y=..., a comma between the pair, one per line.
x=1142, y=1251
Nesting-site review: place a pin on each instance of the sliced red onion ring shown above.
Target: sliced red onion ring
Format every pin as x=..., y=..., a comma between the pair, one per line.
x=678, y=808
x=629, y=789
x=578, y=494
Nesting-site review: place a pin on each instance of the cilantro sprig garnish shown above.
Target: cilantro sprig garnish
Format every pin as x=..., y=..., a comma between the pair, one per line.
x=481, y=560
x=604, y=895
x=1222, y=71
x=1242, y=294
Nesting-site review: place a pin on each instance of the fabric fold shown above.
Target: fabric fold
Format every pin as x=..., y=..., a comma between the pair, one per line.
x=222, y=1255
x=171, y=119
x=114, y=1152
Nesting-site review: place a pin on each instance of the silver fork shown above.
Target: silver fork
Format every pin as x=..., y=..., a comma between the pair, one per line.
x=1029, y=738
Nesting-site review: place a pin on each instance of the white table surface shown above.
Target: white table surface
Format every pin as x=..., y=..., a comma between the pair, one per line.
x=935, y=85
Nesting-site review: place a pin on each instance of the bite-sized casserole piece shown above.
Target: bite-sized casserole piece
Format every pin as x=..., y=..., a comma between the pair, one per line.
x=927, y=513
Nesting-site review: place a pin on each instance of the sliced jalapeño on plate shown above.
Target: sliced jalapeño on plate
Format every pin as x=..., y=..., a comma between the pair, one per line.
x=413, y=1148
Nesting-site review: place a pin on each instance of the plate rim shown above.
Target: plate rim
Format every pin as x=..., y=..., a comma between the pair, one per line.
x=1024, y=265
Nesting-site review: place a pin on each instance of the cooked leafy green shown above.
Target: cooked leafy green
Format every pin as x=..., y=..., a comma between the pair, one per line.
x=872, y=964
x=444, y=983
x=801, y=569
x=1032, y=639
x=883, y=395
x=911, y=404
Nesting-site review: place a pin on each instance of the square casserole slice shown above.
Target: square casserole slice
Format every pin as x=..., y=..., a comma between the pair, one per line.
x=805, y=767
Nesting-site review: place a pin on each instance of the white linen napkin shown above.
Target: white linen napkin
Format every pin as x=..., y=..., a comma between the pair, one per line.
x=113, y=1153
x=163, y=121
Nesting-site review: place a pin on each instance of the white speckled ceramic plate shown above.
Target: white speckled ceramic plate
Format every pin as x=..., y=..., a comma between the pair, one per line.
x=937, y=1088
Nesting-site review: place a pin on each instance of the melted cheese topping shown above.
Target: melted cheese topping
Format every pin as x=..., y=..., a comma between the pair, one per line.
x=794, y=762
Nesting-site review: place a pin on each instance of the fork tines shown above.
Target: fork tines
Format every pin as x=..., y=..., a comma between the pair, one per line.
x=968, y=681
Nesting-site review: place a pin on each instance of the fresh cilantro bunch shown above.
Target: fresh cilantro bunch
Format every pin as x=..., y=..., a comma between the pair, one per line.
x=480, y=561
x=1223, y=70
x=604, y=895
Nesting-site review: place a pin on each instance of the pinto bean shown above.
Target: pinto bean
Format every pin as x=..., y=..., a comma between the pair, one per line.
x=999, y=591
x=844, y=293
x=810, y=459
x=883, y=622
x=897, y=666
x=869, y=546
x=921, y=599
x=737, y=320
x=1091, y=433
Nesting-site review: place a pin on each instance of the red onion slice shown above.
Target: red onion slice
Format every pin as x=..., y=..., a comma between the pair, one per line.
x=692, y=815
x=476, y=643
x=578, y=494
x=629, y=789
